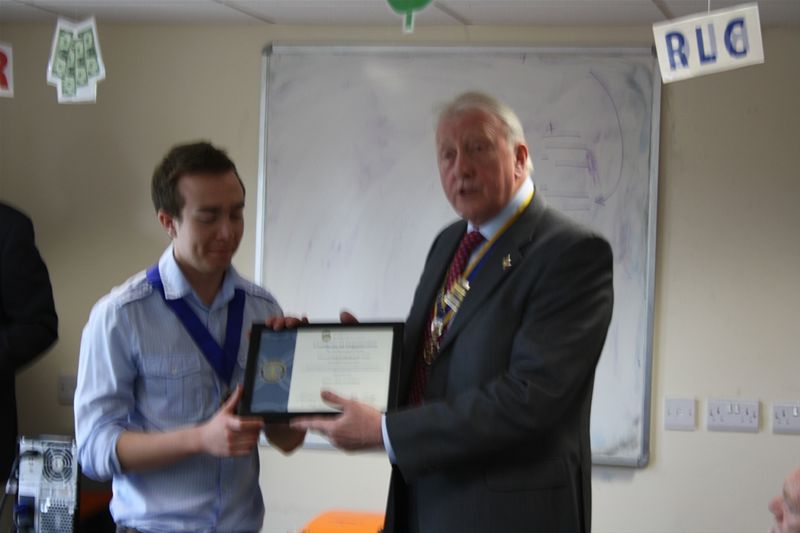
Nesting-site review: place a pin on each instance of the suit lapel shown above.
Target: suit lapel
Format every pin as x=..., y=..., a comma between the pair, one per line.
x=492, y=271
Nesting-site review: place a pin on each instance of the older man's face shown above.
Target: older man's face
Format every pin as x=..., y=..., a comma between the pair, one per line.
x=480, y=170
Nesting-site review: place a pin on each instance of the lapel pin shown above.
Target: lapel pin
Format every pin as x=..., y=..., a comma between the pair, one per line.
x=507, y=262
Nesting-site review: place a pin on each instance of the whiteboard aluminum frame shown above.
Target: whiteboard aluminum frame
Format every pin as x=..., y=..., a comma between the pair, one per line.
x=261, y=248
x=261, y=200
x=652, y=210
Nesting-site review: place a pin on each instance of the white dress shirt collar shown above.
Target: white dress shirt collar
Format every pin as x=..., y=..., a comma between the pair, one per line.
x=490, y=228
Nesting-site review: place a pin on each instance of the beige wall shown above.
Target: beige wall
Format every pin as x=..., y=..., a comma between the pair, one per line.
x=728, y=257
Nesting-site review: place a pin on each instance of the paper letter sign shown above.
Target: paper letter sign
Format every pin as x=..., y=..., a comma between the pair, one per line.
x=6, y=70
x=711, y=42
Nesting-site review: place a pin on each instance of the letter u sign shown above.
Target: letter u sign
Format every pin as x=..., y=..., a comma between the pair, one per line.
x=710, y=42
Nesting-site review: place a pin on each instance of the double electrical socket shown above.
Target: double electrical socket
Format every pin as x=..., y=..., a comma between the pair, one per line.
x=786, y=418
x=733, y=415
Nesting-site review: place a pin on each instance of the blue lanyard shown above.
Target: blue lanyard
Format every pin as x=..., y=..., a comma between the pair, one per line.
x=479, y=264
x=222, y=360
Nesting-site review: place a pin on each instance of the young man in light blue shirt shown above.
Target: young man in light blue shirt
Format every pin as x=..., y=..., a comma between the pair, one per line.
x=162, y=359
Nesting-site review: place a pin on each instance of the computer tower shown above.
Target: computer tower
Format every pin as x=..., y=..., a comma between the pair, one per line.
x=47, y=489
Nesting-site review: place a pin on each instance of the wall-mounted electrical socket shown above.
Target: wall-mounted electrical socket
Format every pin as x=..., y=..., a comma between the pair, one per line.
x=66, y=388
x=786, y=417
x=679, y=413
x=733, y=415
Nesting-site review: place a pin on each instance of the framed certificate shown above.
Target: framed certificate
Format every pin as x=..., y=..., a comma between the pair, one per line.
x=287, y=369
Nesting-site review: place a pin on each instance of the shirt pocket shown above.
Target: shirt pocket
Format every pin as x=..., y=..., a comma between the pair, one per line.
x=172, y=391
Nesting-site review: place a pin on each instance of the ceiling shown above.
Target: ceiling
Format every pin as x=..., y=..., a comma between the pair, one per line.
x=378, y=12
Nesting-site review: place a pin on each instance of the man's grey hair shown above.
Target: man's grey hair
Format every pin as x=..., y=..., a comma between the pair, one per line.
x=477, y=100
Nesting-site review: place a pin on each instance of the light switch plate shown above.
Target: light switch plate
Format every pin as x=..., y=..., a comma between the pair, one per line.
x=733, y=415
x=786, y=418
x=66, y=388
x=679, y=414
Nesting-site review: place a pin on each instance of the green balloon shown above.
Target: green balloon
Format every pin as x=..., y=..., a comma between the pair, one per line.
x=407, y=8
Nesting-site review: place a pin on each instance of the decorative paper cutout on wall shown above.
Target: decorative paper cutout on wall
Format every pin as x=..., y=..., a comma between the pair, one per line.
x=76, y=64
x=407, y=8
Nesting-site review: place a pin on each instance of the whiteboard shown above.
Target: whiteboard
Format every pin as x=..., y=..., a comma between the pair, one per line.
x=349, y=197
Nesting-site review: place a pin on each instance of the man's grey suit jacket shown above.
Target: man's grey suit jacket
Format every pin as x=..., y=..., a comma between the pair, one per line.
x=502, y=440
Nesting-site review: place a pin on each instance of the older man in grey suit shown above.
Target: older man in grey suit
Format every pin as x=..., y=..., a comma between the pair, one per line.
x=501, y=344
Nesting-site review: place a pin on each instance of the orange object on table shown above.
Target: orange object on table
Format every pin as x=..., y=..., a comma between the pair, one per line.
x=339, y=521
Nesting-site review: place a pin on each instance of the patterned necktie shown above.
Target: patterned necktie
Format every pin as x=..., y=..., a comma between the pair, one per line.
x=421, y=369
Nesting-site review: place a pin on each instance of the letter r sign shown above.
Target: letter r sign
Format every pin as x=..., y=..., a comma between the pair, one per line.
x=6, y=71
x=709, y=42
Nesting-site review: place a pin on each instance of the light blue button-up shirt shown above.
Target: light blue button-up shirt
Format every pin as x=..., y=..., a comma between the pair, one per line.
x=140, y=370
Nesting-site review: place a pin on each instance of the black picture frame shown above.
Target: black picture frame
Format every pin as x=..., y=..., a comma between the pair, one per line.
x=282, y=343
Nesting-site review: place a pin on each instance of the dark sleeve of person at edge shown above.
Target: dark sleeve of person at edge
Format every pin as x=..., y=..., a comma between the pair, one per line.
x=28, y=320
